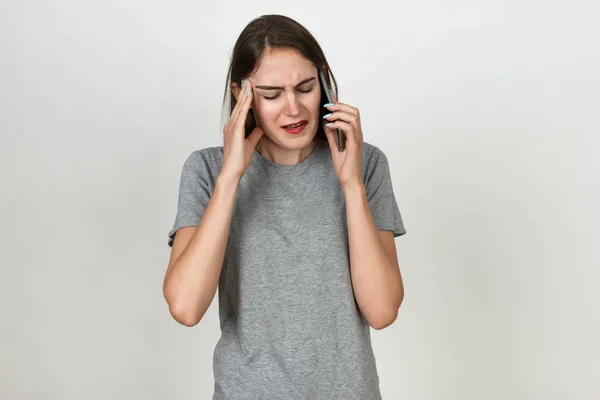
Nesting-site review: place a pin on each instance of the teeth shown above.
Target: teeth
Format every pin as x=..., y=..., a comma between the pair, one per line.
x=295, y=125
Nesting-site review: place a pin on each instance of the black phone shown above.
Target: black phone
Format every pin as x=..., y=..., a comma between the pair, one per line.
x=341, y=139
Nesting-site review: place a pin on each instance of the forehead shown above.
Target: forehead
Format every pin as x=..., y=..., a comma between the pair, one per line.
x=277, y=66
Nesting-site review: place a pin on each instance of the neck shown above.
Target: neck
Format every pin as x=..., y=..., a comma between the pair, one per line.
x=279, y=155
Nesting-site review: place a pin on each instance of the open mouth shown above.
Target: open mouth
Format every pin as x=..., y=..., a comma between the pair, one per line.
x=295, y=128
x=296, y=125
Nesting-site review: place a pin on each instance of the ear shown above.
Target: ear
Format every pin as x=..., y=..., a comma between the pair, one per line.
x=235, y=90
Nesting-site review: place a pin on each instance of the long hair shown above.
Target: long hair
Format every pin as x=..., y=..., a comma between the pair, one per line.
x=272, y=32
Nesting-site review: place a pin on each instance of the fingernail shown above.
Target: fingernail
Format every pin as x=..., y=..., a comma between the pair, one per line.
x=327, y=115
x=327, y=105
x=331, y=123
x=243, y=82
x=248, y=91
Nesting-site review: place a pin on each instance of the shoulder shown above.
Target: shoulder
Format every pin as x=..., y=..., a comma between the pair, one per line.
x=206, y=162
x=370, y=149
x=206, y=157
x=207, y=154
x=372, y=156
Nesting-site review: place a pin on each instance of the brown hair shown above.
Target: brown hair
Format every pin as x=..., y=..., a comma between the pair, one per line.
x=271, y=32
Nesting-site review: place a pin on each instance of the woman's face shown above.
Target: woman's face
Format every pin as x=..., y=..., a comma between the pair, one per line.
x=286, y=91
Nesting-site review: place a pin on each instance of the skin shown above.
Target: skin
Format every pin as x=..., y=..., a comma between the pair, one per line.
x=274, y=108
x=197, y=255
x=376, y=277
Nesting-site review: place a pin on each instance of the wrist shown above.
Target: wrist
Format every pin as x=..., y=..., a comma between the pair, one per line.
x=228, y=181
x=352, y=189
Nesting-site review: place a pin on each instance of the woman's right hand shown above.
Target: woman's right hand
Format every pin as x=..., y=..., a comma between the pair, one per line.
x=237, y=150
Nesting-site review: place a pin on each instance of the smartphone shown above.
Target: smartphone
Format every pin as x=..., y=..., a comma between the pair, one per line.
x=341, y=139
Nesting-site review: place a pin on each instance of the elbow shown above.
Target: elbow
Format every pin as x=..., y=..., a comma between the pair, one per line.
x=184, y=317
x=400, y=298
x=384, y=321
x=180, y=312
x=387, y=318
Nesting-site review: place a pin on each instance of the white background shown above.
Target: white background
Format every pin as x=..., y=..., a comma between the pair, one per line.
x=487, y=110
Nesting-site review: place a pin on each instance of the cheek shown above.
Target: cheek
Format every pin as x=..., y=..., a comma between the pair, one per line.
x=266, y=112
x=313, y=103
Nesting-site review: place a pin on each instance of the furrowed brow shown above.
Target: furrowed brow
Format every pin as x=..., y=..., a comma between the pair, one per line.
x=263, y=87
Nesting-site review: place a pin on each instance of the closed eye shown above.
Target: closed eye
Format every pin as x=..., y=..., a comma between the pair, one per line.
x=277, y=95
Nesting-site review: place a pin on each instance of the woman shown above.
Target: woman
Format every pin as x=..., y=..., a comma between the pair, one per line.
x=298, y=236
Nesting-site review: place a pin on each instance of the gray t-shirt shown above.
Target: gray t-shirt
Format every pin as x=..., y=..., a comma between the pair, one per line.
x=290, y=325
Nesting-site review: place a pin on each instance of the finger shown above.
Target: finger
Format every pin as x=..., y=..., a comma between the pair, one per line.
x=346, y=128
x=344, y=107
x=343, y=116
x=245, y=101
x=348, y=118
x=238, y=101
x=241, y=99
x=339, y=124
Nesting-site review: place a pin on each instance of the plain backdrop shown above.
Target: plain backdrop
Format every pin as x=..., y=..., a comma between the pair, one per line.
x=487, y=110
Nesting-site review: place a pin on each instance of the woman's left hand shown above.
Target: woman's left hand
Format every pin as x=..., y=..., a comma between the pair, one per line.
x=347, y=163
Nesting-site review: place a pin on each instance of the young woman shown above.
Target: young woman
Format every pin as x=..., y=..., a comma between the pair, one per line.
x=297, y=235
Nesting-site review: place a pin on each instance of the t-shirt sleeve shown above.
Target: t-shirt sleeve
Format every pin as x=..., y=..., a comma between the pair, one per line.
x=194, y=194
x=380, y=194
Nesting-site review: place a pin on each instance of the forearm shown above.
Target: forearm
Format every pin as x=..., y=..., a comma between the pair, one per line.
x=192, y=282
x=376, y=280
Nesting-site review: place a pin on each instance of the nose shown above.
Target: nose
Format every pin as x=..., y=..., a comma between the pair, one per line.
x=291, y=106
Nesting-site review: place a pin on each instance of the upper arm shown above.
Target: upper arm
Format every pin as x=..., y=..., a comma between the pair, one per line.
x=195, y=190
x=380, y=195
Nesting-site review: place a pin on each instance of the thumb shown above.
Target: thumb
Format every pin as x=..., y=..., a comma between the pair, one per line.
x=255, y=135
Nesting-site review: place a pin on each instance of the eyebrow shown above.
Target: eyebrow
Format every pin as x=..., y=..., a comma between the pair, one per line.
x=281, y=87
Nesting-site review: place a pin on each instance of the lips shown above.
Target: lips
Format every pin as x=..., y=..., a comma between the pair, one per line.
x=296, y=127
x=295, y=124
